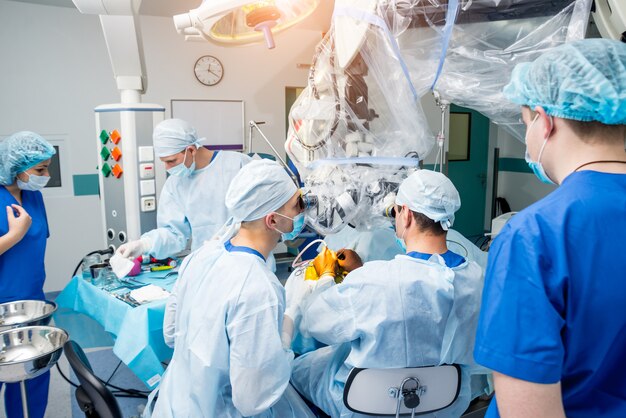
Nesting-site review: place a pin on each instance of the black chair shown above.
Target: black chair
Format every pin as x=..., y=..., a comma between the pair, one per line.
x=93, y=397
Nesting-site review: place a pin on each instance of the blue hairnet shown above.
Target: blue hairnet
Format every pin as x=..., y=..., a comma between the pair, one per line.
x=583, y=80
x=21, y=151
x=432, y=194
x=260, y=188
x=172, y=136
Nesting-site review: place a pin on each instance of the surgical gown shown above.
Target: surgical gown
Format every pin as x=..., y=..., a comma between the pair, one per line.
x=386, y=314
x=228, y=359
x=193, y=207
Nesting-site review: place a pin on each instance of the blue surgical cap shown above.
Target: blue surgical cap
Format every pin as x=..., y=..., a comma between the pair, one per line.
x=259, y=188
x=431, y=194
x=21, y=151
x=172, y=136
x=583, y=80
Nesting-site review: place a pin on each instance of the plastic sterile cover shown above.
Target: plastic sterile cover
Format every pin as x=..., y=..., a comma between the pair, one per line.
x=379, y=58
x=367, y=109
x=353, y=191
x=487, y=40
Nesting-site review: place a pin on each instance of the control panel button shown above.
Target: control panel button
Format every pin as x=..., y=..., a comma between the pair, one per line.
x=105, y=153
x=146, y=154
x=116, y=153
x=106, y=170
x=147, y=187
x=148, y=204
x=117, y=171
x=115, y=136
x=146, y=171
x=104, y=137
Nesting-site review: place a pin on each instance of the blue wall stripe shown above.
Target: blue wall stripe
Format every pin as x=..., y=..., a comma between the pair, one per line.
x=86, y=184
x=514, y=165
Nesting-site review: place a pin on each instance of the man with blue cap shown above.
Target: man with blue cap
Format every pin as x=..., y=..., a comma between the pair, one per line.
x=228, y=358
x=552, y=326
x=419, y=309
x=192, y=200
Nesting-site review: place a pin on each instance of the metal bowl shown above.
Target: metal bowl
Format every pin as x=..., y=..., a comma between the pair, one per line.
x=28, y=352
x=25, y=313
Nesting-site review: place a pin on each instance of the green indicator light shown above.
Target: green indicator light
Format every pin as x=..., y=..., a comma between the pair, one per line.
x=105, y=153
x=104, y=137
x=106, y=170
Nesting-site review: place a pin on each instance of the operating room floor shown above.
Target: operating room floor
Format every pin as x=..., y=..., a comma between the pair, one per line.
x=61, y=399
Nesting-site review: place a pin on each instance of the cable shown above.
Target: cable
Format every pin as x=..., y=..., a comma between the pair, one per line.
x=136, y=393
x=113, y=374
x=130, y=391
x=65, y=377
x=119, y=392
x=295, y=263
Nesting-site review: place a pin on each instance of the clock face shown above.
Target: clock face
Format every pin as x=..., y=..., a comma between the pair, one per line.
x=208, y=70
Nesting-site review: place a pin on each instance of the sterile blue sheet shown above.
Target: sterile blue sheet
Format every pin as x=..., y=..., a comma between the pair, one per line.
x=138, y=331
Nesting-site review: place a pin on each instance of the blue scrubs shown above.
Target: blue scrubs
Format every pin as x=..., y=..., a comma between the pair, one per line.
x=450, y=258
x=241, y=249
x=22, y=275
x=555, y=295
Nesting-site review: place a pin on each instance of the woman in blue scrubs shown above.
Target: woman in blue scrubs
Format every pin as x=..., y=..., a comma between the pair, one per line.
x=24, y=160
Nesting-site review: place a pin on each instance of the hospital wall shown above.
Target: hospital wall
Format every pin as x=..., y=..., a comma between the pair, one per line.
x=516, y=183
x=55, y=70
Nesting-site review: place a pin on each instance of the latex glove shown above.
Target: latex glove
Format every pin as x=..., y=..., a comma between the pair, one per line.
x=348, y=260
x=299, y=293
x=326, y=263
x=134, y=249
x=18, y=225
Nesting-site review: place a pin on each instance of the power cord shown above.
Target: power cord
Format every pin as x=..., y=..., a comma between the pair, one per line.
x=118, y=392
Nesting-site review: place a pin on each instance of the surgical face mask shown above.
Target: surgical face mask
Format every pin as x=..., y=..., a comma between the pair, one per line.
x=400, y=240
x=181, y=170
x=298, y=225
x=536, y=166
x=400, y=243
x=34, y=182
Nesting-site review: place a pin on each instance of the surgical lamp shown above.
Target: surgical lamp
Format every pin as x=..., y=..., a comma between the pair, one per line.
x=241, y=22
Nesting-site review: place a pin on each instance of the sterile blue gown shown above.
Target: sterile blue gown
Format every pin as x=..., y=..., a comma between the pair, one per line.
x=386, y=314
x=193, y=207
x=22, y=274
x=228, y=358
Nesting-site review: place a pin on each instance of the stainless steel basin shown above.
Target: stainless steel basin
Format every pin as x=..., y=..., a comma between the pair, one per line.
x=28, y=352
x=25, y=313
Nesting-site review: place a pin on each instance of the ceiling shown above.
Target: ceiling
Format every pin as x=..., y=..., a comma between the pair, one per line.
x=319, y=20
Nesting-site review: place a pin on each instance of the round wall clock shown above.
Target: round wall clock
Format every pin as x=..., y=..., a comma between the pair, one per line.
x=208, y=70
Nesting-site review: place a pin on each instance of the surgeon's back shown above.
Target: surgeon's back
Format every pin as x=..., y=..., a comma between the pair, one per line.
x=386, y=314
x=228, y=360
x=400, y=310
